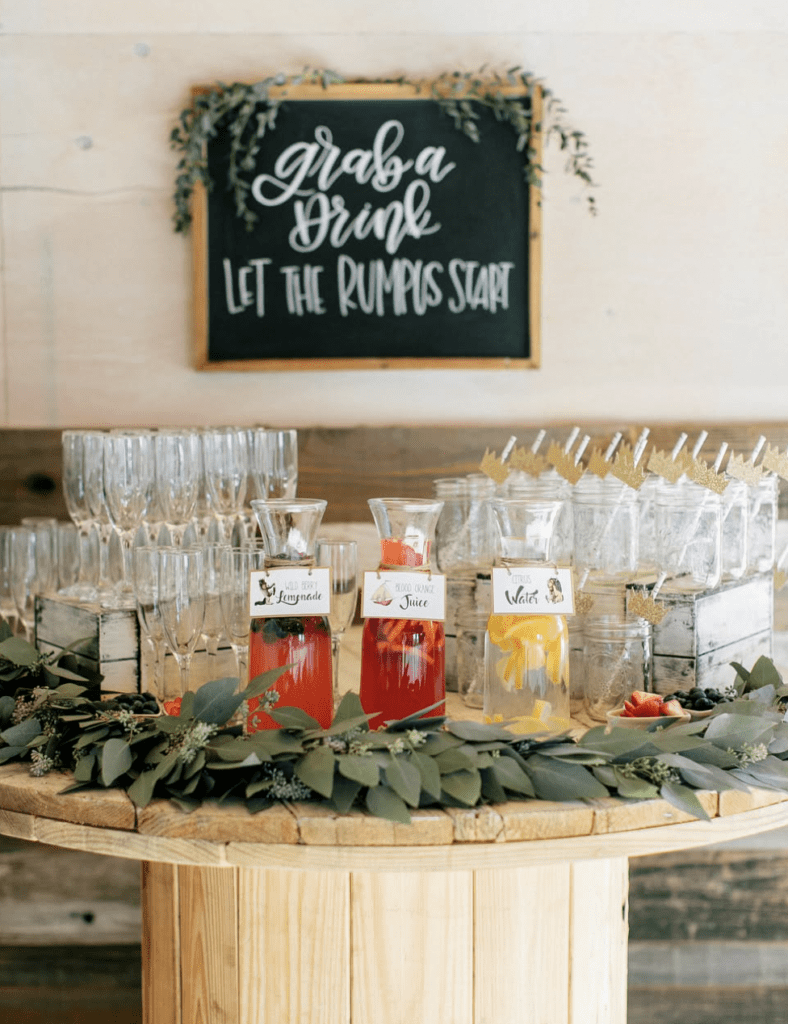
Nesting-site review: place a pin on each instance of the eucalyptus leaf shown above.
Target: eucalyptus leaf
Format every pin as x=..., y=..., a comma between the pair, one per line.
x=712, y=755
x=511, y=776
x=115, y=760
x=316, y=770
x=293, y=718
x=419, y=719
x=264, y=681
x=764, y=673
x=702, y=776
x=344, y=793
x=437, y=742
x=384, y=803
x=617, y=741
x=454, y=760
x=350, y=708
x=83, y=769
x=9, y=753
x=735, y=730
x=18, y=651
x=479, y=731
x=607, y=775
x=684, y=799
x=217, y=701
x=359, y=768
x=634, y=788
x=676, y=744
x=464, y=786
x=564, y=781
x=405, y=779
x=338, y=728
x=187, y=707
x=429, y=772
x=492, y=790
x=7, y=705
x=21, y=734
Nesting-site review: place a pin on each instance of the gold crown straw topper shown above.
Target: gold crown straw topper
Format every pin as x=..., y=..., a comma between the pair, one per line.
x=626, y=466
x=527, y=459
x=775, y=462
x=495, y=468
x=600, y=464
x=568, y=465
x=670, y=467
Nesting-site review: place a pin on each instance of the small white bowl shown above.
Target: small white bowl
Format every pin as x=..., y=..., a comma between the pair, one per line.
x=614, y=717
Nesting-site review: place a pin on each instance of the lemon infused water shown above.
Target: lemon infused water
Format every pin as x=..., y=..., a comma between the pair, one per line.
x=526, y=678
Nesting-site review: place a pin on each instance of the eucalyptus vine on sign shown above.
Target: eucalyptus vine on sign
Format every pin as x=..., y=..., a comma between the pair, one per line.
x=249, y=112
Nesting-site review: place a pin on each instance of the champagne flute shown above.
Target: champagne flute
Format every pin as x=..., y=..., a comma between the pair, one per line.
x=128, y=483
x=75, y=473
x=182, y=604
x=225, y=460
x=8, y=609
x=237, y=564
x=145, y=574
x=177, y=478
x=282, y=463
x=213, y=624
x=341, y=557
x=31, y=568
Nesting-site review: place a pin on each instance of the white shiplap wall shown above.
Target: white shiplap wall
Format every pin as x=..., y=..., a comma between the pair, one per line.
x=672, y=303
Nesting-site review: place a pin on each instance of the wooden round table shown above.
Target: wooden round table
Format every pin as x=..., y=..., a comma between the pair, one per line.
x=506, y=914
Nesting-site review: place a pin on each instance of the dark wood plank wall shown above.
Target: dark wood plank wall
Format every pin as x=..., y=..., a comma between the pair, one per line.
x=347, y=466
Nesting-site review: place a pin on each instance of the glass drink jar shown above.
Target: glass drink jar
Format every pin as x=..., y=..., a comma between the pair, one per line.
x=289, y=529
x=616, y=661
x=689, y=537
x=605, y=516
x=762, y=524
x=526, y=680
x=403, y=660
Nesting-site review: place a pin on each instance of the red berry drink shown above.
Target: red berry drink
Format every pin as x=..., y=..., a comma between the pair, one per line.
x=304, y=643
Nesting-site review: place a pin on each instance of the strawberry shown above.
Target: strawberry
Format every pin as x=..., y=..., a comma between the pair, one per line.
x=641, y=697
x=648, y=709
x=629, y=710
x=673, y=707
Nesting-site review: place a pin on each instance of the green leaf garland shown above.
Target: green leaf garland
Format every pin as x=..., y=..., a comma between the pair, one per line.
x=418, y=761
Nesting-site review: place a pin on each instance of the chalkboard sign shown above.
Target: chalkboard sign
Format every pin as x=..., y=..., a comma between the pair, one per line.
x=385, y=237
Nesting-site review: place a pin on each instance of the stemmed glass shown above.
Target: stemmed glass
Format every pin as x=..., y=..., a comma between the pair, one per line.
x=177, y=478
x=128, y=483
x=75, y=470
x=341, y=556
x=97, y=503
x=225, y=460
x=213, y=624
x=257, y=479
x=145, y=576
x=282, y=463
x=237, y=564
x=182, y=604
x=8, y=609
x=31, y=567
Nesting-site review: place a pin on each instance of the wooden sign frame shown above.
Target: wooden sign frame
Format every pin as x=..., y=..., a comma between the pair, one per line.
x=374, y=91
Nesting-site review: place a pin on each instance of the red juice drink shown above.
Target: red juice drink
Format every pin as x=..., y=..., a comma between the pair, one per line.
x=403, y=660
x=304, y=643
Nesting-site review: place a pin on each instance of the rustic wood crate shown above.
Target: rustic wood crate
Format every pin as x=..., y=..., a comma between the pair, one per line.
x=702, y=633
x=112, y=644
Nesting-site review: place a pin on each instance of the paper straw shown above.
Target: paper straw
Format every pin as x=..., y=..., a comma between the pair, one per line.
x=538, y=441
x=508, y=449
x=582, y=447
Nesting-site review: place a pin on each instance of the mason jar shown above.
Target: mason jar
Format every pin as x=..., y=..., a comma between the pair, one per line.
x=762, y=524
x=605, y=514
x=616, y=660
x=465, y=535
x=735, y=550
x=689, y=537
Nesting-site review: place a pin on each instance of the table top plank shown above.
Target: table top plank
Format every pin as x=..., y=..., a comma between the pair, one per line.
x=20, y=791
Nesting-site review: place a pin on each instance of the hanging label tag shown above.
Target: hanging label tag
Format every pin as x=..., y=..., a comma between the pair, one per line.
x=532, y=590
x=403, y=595
x=285, y=591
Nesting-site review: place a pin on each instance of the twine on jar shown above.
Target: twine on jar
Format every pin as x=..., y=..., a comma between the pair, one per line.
x=288, y=563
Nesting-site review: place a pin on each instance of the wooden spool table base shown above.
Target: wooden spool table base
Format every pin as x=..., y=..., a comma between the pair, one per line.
x=507, y=914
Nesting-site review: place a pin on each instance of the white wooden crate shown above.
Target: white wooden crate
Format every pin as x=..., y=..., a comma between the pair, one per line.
x=702, y=633
x=112, y=639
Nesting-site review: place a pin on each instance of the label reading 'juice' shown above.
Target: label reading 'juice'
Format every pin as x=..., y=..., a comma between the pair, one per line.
x=403, y=595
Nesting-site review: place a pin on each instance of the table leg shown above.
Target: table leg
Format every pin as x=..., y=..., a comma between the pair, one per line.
x=265, y=946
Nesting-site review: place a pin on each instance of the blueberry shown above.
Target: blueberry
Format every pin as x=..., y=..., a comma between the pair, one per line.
x=697, y=691
x=682, y=694
x=703, y=704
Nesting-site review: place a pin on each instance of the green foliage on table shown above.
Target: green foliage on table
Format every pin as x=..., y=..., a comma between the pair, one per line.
x=419, y=761
x=249, y=112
